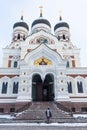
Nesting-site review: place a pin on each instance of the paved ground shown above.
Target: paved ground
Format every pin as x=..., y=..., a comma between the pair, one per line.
x=39, y=127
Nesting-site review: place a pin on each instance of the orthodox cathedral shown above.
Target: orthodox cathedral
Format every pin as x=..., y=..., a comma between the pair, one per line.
x=41, y=66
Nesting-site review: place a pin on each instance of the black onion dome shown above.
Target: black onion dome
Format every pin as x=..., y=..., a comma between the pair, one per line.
x=41, y=20
x=61, y=24
x=21, y=24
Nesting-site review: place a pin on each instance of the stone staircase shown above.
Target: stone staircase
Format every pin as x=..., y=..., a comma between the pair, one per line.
x=36, y=112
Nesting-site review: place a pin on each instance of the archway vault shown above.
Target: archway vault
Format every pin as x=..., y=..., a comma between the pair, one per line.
x=43, y=90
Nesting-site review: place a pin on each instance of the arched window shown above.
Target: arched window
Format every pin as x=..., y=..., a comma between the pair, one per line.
x=18, y=37
x=58, y=37
x=15, y=87
x=64, y=37
x=80, y=87
x=24, y=37
x=4, y=87
x=69, y=87
x=15, y=64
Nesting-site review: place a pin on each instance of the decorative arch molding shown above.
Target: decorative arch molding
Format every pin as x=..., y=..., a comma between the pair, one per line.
x=79, y=78
x=81, y=81
x=15, y=78
x=5, y=78
x=86, y=81
x=42, y=90
x=44, y=51
x=70, y=79
x=5, y=84
x=43, y=72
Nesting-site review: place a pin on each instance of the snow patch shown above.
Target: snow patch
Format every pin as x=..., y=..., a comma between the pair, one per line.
x=44, y=124
x=6, y=117
x=80, y=115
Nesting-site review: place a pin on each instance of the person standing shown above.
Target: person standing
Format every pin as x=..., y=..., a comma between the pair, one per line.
x=48, y=114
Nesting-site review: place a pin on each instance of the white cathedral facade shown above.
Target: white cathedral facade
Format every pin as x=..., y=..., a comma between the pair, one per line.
x=39, y=66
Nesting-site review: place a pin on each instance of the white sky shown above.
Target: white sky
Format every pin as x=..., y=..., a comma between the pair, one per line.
x=73, y=12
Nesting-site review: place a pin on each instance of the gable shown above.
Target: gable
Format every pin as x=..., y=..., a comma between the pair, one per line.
x=43, y=55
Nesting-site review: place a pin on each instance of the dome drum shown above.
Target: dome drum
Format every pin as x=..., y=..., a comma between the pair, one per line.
x=41, y=26
x=62, y=29
x=41, y=23
x=20, y=30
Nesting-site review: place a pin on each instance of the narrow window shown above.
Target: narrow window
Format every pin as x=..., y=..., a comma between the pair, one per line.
x=4, y=87
x=18, y=36
x=15, y=64
x=67, y=65
x=24, y=37
x=58, y=37
x=64, y=37
x=69, y=87
x=80, y=87
x=15, y=87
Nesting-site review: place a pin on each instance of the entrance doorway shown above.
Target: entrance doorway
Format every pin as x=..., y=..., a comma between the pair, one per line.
x=43, y=90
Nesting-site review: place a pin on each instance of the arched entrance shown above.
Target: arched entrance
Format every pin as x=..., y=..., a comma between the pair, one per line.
x=48, y=88
x=43, y=90
x=37, y=88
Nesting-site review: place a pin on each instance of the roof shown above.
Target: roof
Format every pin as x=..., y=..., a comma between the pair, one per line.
x=61, y=24
x=22, y=24
x=41, y=20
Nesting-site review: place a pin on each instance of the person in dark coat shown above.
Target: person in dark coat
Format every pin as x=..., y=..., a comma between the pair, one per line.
x=48, y=114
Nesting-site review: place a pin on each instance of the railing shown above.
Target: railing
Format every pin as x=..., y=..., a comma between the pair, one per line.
x=23, y=108
x=60, y=106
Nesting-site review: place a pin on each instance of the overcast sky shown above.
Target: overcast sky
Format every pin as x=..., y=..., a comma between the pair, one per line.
x=74, y=12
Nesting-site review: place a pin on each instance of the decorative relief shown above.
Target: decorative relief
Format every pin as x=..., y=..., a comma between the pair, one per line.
x=42, y=61
x=42, y=39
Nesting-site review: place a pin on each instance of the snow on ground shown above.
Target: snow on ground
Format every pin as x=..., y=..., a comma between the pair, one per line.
x=80, y=115
x=11, y=117
x=6, y=116
x=44, y=124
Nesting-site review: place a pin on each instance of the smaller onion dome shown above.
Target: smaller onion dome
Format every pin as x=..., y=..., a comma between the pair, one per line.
x=61, y=24
x=41, y=23
x=61, y=31
x=20, y=30
x=21, y=24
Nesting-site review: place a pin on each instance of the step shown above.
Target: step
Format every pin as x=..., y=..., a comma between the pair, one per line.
x=36, y=111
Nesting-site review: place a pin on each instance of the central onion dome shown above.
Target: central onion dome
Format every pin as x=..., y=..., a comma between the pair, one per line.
x=41, y=23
